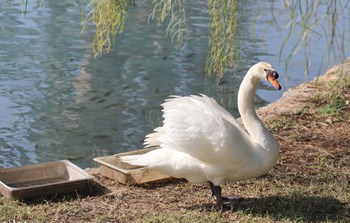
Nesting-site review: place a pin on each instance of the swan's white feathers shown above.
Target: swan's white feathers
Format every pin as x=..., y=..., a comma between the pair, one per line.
x=203, y=136
x=192, y=145
x=167, y=160
x=201, y=141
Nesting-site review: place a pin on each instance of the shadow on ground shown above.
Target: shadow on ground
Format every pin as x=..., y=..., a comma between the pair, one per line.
x=294, y=208
x=94, y=189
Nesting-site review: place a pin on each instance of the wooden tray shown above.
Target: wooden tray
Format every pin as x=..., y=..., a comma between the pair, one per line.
x=42, y=179
x=113, y=168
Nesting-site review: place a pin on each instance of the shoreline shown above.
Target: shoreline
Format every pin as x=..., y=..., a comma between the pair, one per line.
x=294, y=99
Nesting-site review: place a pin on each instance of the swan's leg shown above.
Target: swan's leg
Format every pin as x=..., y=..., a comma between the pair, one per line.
x=216, y=193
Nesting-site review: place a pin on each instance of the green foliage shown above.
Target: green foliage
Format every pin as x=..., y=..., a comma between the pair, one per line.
x=304, y=24
x=222, y=47
x=303, y=29
x=109, y=17
x=177, y=27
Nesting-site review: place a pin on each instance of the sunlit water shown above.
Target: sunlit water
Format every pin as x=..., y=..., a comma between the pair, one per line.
x=58, y=102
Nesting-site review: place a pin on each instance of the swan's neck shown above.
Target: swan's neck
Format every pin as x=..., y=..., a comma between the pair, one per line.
x=256, y=129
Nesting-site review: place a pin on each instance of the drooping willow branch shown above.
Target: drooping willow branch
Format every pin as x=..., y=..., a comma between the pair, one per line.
x=303, y=21
x=177, y=26
x=222, y=33
x=109, y=17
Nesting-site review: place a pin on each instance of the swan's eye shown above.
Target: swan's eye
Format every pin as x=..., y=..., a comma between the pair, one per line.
x=272, y=73
x=275, y=74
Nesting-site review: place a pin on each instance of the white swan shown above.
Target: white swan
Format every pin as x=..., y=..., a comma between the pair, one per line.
x=202, y=142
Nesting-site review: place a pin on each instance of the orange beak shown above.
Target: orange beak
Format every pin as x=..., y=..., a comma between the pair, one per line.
x=274, y=82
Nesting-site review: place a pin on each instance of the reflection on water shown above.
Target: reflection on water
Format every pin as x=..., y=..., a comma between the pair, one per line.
x=58, y=102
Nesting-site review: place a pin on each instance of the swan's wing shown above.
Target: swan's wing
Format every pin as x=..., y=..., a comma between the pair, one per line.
x=198, y=126
x=152, y=139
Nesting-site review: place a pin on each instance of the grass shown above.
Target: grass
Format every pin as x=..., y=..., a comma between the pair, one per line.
x=281, y=198
x=275, y=125
x=193, y=216
x=332, y=102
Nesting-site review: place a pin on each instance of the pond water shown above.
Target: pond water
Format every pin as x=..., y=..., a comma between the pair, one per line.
x=59, y=102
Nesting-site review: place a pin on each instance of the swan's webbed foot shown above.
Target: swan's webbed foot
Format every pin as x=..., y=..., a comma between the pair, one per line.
x=222, y=200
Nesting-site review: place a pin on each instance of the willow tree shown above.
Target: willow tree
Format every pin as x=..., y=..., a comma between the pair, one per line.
x=109, y=17
x=306, y=19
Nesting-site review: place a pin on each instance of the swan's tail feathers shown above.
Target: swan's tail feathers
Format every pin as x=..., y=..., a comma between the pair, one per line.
x=152, y=139
x=136, y=160
x=151, y=159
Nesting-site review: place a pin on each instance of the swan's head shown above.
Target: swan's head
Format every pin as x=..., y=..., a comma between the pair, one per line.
x=264, y=70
